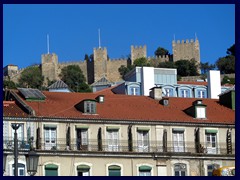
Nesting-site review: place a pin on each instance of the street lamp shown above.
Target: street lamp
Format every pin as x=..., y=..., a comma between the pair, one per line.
x=15, y=126
x=4, y=161
x=32, y=162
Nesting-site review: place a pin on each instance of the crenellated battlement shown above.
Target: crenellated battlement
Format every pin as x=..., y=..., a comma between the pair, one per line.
x=103, y=66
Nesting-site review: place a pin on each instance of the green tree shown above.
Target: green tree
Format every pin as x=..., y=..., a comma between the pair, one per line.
x=226, y=65
x=72, y=75
x=167, y=64
x=9, y=84
x=141, y=62
x=231, y=50
x=123, y=70
x=206, y=67
x=186, y=67
x=161, y=52
x=227, y=80
x=31, y=77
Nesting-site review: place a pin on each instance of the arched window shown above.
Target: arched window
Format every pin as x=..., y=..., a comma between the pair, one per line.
x=114, y=170
x=21, y=169
x=83, y=170
x=51, y=170
x=180, y=169
x=145, y=170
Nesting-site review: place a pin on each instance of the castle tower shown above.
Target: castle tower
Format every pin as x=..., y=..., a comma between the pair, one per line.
x=138, y=52
x=186, y=50
x=49, y=67
x=100, y=63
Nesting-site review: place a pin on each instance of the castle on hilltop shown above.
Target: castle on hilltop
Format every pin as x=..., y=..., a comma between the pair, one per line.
x=103, y=67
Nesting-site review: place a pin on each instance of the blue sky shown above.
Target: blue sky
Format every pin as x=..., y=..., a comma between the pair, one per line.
x=73, y=29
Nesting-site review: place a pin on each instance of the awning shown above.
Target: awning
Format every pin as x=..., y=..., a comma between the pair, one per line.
x=50, y=125
x=143, y=128
x=83, y=168
x=145, y=168
x=51, y=166
x=211, y=130
x=114, y=167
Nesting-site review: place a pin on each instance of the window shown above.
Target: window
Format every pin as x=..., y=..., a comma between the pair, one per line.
x=145, y=171
x=50, y=135
x=90, y=107
x=112, y=139
x=201, y=94
x=211, y=141
x=83, y=170
x=185, y=93
x=178, y=140
x=134, y=91
x=180, y=169
x=201, y=112
x=168, y=92
x=210, y=169
x=82, y=139
x=51, y=170
x=143, y=140
x=21, y=169
x=114, y=170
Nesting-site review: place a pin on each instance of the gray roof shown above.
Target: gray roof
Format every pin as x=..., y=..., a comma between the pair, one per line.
x=58, y=85
x=101, y=82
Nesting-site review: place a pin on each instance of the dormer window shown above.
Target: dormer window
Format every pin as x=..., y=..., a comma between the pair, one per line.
x=90, y=107
x=200, y=110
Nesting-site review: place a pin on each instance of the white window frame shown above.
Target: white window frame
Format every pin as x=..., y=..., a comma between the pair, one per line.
x=178, y=141
x=184, y=93
x=52, y=137
x=143, y=142
x=200, y=112
x=83, y=163
x=209, y=143
x=113, y=140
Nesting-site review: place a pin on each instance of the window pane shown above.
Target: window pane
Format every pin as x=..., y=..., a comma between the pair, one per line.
x=114, y=172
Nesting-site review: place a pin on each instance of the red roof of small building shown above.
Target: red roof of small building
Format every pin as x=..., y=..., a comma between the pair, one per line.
x=203, y=83
x=125, y=107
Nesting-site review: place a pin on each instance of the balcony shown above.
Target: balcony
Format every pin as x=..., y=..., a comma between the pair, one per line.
x=119, y=146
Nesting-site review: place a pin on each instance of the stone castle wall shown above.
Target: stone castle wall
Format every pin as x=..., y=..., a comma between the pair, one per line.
x=101, y=66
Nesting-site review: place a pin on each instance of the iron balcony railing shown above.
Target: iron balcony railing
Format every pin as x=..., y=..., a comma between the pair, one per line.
x=120, y=146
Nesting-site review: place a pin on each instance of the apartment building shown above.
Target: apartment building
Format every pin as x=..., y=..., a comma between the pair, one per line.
x=107, y=134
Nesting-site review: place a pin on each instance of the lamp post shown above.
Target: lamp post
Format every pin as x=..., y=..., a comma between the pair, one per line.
x=4, y=161
x=15, y=126
x=32, y=162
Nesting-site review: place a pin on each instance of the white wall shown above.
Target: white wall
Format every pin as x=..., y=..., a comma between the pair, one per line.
x=214, y=84
x=147, y=80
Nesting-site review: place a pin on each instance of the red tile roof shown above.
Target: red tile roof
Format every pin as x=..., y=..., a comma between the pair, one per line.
x=125, y=107
x=11, y=109
x=203, y=83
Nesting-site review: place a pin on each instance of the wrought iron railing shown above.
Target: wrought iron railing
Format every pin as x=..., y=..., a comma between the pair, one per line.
x=119, y=146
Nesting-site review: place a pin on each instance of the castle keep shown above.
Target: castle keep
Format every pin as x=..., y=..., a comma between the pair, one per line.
x=101, y=66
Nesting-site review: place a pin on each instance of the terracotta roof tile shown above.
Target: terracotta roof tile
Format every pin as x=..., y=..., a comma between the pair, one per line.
x=125, y=107
x=203, y=83
x=11, y=109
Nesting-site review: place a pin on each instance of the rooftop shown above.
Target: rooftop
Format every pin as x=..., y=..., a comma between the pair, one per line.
x=125, y=107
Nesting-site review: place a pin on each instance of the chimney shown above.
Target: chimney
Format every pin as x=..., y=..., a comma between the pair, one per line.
x=156, y=93
x=214, y=84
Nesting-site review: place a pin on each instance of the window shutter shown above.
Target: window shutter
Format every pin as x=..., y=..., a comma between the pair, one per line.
x=229, y=141
x=165, y=140
x=38, y=141
x=130, y=142
x=197, y=140
x=68, y=137
x=100, y=139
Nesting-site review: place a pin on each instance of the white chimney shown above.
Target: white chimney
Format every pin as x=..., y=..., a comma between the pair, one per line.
x=147, y=80
x=214, y=84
